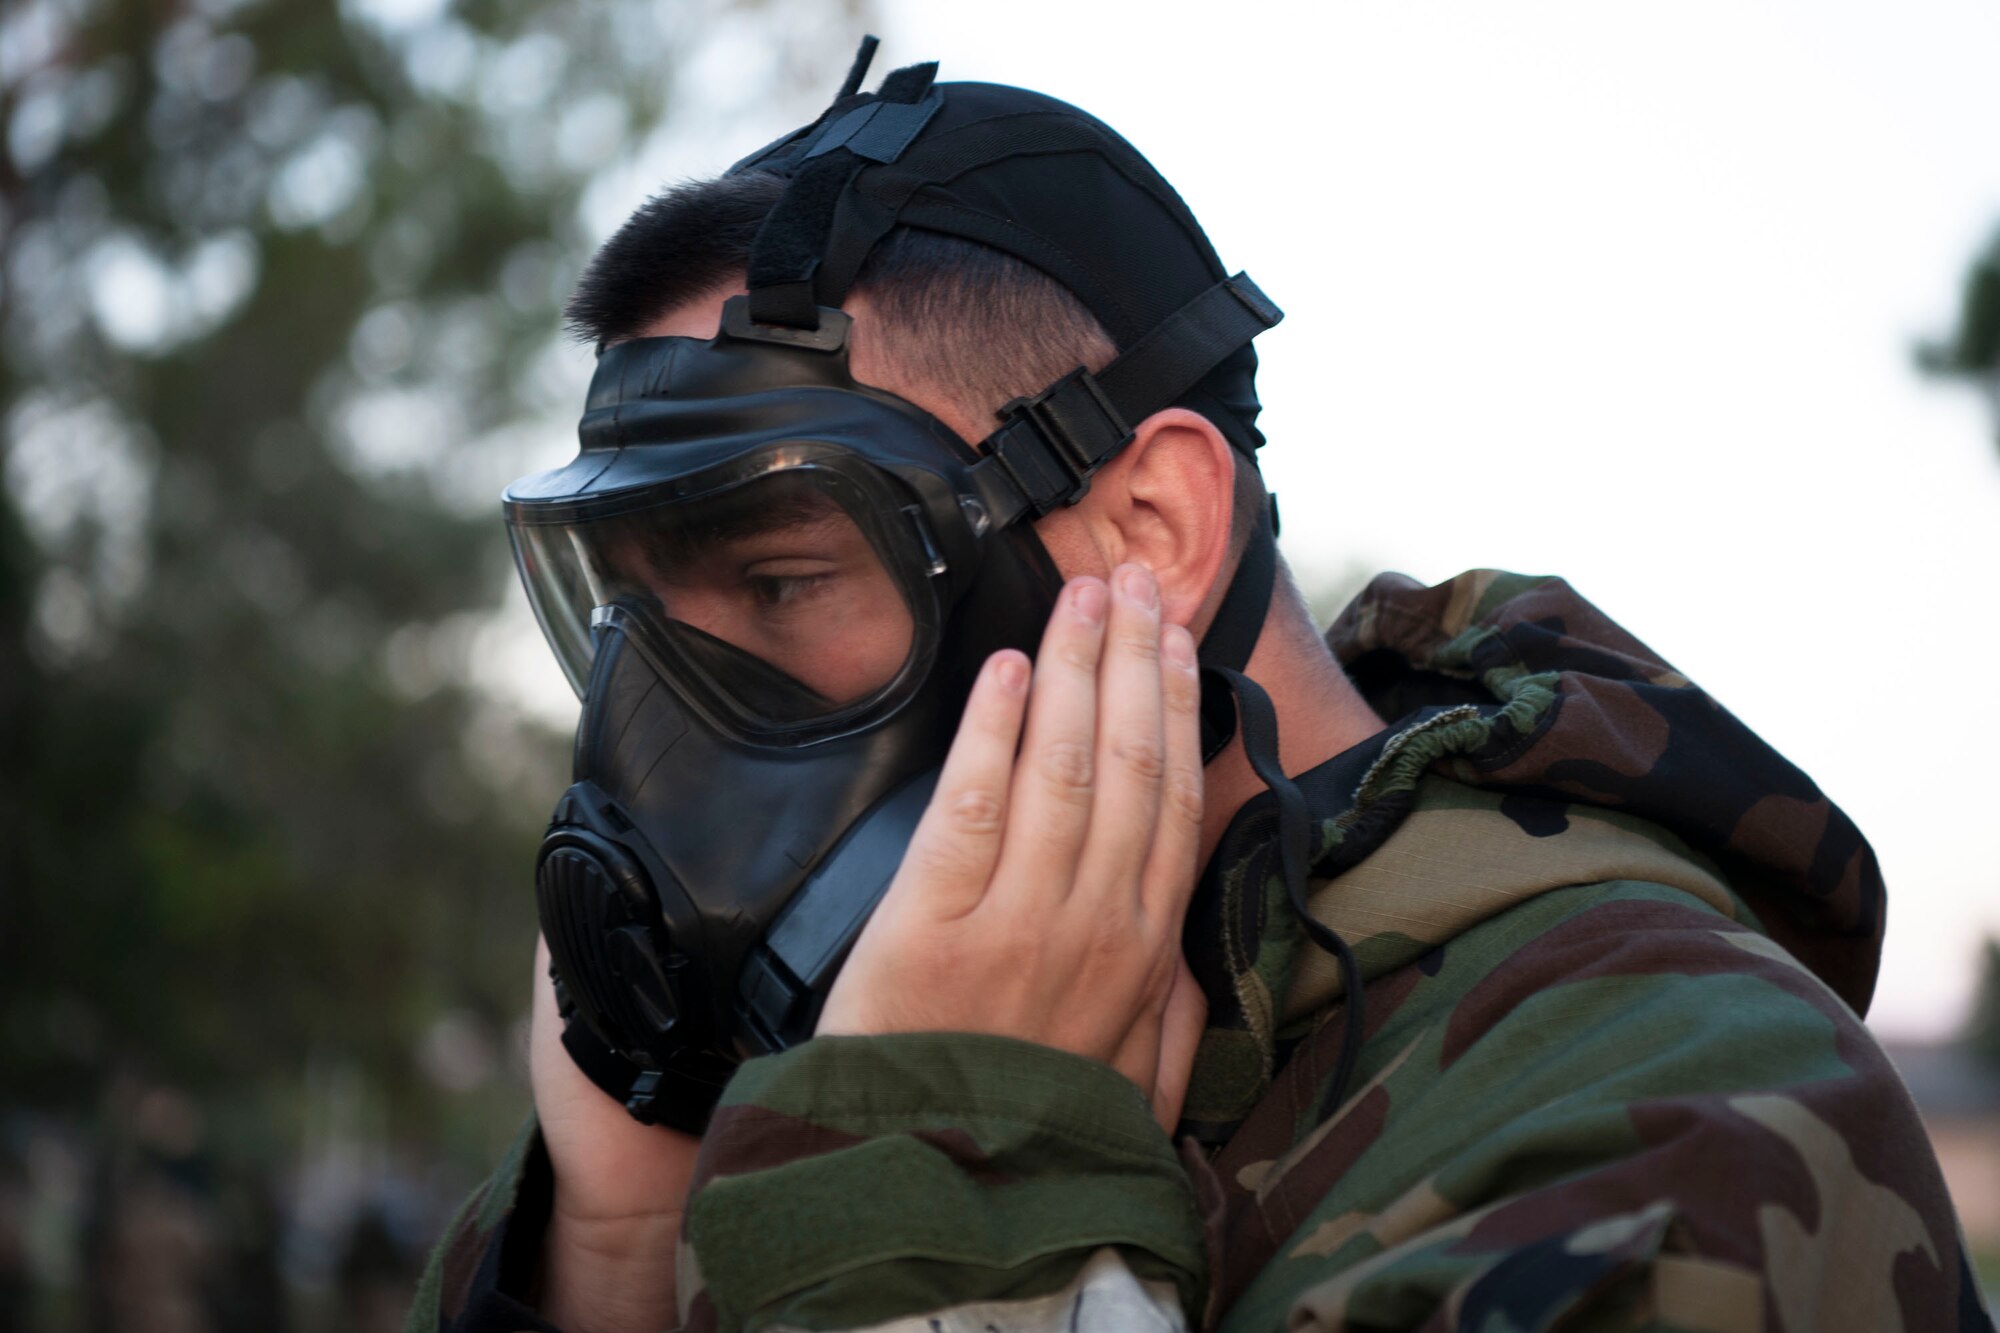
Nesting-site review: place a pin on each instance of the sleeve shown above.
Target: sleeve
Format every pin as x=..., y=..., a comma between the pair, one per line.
x=1640, y=1118
x=481, y=1272
x=938, y=1182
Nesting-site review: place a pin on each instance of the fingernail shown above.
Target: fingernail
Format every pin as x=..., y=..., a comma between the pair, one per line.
x=1178, y=646
x=1137, y=583
x=1089, y=601
x=1012, y=673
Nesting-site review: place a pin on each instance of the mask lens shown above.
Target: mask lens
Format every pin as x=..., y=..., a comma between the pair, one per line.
x=781, y=600
x=772, y=581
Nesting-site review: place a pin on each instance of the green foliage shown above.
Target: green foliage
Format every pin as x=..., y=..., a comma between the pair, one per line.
x=1975, y=348
x=1973, y=351
x=1982, y=1030
x=281, y=284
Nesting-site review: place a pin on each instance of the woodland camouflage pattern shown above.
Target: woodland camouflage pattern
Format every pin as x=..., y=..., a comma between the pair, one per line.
x=1613, y=949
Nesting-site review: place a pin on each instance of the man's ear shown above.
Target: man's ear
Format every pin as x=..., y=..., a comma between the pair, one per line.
x=1168, y=496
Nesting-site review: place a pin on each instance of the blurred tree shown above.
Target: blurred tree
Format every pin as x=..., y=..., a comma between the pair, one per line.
x=1982, y=1030
x=279, y=288
x=1973, y=351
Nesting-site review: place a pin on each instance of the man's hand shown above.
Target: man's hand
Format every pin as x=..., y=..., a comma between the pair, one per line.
x=620, y=1190
x=1043, y=894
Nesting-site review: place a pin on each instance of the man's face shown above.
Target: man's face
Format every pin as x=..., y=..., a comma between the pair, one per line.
x=778, y=570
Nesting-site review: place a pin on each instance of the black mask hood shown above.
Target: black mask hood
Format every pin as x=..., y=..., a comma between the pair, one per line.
x=701, y=882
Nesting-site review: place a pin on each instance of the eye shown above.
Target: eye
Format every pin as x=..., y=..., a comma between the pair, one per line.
x=776, y=590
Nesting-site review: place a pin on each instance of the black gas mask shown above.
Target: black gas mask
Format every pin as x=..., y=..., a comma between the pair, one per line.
x=772, y=585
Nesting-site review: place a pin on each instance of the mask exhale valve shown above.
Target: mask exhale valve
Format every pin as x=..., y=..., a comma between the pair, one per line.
x=599, y=916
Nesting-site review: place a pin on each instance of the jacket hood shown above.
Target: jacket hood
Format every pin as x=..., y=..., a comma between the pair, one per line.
x=1536, y=745
x=1621, y=730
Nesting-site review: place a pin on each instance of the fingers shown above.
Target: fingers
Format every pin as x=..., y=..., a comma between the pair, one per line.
x=1041, y=895
x=1131, y=753
x=1055, y=778
x=545, y=1023
x=953, y=853
x=1138, y=1054
x=1170, y=867
x=1158, y=1052
x=1180, y=1036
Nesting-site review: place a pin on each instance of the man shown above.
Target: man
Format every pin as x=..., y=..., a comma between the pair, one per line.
x=1485, y=972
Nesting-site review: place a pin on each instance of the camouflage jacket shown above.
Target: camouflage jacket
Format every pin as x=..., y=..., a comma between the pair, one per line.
x=1613, y=949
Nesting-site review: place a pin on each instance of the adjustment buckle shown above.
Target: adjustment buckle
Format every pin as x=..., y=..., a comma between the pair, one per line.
x=1051, y=444
x=828, y=333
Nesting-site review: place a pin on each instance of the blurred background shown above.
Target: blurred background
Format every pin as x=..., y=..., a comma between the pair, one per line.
x=1698, y=306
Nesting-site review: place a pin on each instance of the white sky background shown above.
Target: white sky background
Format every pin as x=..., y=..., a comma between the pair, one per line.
x=1620, y=292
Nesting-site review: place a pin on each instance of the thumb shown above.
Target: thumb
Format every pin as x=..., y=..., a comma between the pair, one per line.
x=1181, y=1027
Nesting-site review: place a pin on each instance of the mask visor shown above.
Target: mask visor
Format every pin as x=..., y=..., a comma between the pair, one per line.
x=784, y=601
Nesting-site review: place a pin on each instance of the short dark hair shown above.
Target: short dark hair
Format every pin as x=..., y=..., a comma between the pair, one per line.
x=973, y=323
x=680, y=244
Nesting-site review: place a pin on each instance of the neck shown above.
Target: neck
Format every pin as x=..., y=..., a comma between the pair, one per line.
x=1320, y=713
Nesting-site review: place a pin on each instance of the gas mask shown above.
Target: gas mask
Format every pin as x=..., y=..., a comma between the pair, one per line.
x=771, y=587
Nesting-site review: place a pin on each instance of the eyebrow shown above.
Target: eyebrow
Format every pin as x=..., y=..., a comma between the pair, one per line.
x=666, y=547
x=794, y=511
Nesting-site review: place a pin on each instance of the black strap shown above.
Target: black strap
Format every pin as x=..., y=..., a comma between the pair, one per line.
x=1050, y=446
x=1260, y=746
x=786, y=249
x=864, y=56
x=897, y=195
x=784, y=152
x=1232, y=636
x=878, y=131
x=786, y=252
x=1240, y=619
x=1187, y=344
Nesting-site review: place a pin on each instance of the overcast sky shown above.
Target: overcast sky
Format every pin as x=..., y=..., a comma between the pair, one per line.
x=1625, y=293
x=1621, y=292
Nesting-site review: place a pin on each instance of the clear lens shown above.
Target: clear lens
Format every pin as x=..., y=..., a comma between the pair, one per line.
x=553, y=574
x=783, y=600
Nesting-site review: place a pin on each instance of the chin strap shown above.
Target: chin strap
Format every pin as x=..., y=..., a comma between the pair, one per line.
x=1232, y=635
x=1232, y=702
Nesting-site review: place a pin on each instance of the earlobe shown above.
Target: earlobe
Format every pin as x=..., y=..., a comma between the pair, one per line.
x=1173, y=508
